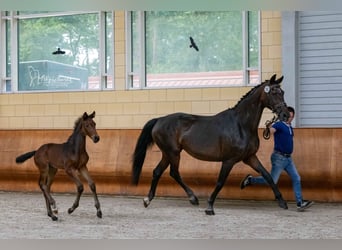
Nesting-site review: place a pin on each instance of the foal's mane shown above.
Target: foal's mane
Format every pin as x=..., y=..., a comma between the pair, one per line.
x=76, y=128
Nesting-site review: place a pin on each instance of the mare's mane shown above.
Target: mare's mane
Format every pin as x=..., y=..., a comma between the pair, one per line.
x=249, y=93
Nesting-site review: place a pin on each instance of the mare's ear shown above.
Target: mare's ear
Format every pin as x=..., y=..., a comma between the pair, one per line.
x=279, y=80
x=92, y=115
x=272, y=80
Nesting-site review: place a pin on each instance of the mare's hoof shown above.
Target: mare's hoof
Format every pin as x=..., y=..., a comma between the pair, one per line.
x=146, y=202
x=193, y=200
x=283, y=204
x=99, y=214
x=209, y=212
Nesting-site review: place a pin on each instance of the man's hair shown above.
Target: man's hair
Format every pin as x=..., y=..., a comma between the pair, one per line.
x=291, y=109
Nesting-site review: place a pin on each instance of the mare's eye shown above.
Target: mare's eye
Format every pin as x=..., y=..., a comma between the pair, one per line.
x=276, y=90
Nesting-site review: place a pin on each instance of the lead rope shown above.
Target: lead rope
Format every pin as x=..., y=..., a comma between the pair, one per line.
x=267, y=134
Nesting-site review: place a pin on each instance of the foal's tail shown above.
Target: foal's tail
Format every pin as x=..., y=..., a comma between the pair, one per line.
x=24, y=157
x=145, y=141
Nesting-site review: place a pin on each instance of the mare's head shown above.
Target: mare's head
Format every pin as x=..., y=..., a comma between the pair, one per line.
x=273, y=97
x=89, y=126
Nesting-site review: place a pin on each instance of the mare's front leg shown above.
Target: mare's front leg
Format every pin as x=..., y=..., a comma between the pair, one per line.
x=254, y=162
x=85, y=174
x=224, y=172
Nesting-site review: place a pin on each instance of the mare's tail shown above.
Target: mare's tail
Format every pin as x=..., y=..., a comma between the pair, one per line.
x=145, y=141
x=24, y=157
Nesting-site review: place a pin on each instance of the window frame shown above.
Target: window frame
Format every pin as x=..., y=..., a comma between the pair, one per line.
x=141, y=73
x=13, y=17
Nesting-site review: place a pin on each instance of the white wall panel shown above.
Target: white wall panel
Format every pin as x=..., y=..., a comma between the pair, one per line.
x=319, y=69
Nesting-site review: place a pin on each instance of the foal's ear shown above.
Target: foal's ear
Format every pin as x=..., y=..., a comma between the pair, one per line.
x=92, y=115
x=85, y=115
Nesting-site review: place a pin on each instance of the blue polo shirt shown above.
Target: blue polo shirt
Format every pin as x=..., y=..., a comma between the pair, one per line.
x=283, y=137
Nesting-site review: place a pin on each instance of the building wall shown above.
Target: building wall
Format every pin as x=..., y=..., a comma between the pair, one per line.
x=271, y=43
x=122, y=109
x=28, y=120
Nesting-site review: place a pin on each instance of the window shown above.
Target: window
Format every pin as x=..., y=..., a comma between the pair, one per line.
x=51, y=51
x=160, y=53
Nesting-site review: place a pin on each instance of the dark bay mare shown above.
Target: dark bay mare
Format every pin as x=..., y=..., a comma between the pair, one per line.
x=228, y=137
x=70, y=156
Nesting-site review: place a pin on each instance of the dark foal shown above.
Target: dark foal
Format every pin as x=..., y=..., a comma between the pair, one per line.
x=70, y=156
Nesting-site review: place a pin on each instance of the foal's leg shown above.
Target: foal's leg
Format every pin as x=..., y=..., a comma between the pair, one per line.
x=174, y=173
x=51, y=176
x=257, y=166
x=85, y=174
x=157, y=173
x=224, y=172
x=46, y=191
x=73, y=175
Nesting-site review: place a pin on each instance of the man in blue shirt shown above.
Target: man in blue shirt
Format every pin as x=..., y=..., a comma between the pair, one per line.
x=281, y=160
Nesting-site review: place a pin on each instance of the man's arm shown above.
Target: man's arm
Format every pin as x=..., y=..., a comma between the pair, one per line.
x=272, y=130
x=269, y=130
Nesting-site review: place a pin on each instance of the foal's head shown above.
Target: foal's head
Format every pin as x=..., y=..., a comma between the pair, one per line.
x=273, y=97
x=89, y=126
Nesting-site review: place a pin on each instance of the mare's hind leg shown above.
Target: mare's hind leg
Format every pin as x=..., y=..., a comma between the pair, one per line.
x=85, y=174
x=174, y=173
x=157, y=173
x=257, y=166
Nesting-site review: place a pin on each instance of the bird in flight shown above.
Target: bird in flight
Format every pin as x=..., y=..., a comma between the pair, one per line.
x=58, y=52
x=193, y=44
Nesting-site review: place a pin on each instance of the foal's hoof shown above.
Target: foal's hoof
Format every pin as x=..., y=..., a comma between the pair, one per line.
x=53, y=217
x=99, y=214
x=209, y=211
x=70, y=210
x=146, y=202
x=193, y=200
